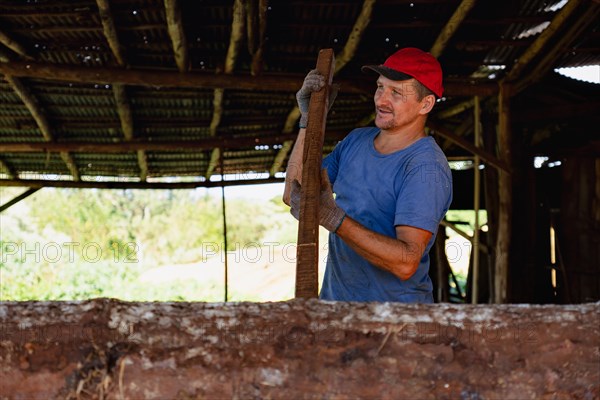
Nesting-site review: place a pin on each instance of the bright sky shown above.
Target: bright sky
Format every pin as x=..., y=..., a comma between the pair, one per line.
x=588, y=73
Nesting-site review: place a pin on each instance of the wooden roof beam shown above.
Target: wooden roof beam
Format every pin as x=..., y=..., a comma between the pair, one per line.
x=256, y=28
x=122, y=102
x=41, y=120
x=583, y=21
x=455, y=110
x=131, y=185
x=126, y=117
x=470, y=147
x=147, y=78
x=177, y=34
x=347, y=53
x=8, y=170
x=224, y=142
x=110, y=31
x=541, y=41
x=451, y=27
x=15, y=46
x=237, y=34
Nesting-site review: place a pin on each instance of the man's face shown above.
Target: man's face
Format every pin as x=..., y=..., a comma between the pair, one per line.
x=396, y=104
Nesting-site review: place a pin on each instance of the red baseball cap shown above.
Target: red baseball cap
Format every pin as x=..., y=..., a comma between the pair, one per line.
x=411, y=62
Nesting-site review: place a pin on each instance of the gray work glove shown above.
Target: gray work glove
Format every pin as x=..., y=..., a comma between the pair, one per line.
x=313, y=82
x=330, y=215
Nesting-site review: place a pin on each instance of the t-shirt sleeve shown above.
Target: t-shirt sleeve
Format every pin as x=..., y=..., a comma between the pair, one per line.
x=424, y=197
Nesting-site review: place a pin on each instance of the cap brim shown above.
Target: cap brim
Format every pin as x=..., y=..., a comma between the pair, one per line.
x=387, y=72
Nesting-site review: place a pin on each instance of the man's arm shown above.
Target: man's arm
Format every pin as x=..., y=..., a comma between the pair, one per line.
x=400, y=256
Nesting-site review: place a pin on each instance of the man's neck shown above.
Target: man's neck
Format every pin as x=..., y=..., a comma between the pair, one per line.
x=387, y=142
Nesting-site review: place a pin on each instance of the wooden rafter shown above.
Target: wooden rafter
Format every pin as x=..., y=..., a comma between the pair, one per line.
x=177, y=34
x=552, y=54
x=8, y=170
x=451, y=26
x=256, y=15
x=131, y=185
x=146, y=78
x=540, y=43
x=465, y=144
x=41, y=120
x=360, y=25
x=71, y=165
x=122, y=102
x=455, y=110
x=15, y=46
x=237, y=34
x=32, y=105
x=154, y=145
x=110, y=31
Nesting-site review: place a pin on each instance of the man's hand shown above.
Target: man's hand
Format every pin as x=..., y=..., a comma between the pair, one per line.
x=313, y=82
x=330, y=215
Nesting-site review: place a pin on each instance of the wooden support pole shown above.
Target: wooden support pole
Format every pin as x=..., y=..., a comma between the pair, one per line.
x=504, y=198
x=307, y=263
x=476, y=196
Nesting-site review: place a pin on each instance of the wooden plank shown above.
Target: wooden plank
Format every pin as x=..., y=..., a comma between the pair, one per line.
x=307, y=263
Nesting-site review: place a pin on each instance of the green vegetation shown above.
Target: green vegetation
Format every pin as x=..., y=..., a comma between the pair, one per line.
x=69, y=244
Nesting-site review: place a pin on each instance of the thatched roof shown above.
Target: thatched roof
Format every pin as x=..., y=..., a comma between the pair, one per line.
x=143, y=91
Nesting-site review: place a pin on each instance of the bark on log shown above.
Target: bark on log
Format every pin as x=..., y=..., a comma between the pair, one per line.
x=298, y=349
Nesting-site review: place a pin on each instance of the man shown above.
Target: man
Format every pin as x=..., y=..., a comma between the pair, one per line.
x=392, y=184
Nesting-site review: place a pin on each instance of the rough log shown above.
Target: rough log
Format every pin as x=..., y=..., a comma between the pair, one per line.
x=301, y=349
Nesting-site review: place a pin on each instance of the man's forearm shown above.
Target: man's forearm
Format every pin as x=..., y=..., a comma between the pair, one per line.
x=394, y=255
x=294, y=165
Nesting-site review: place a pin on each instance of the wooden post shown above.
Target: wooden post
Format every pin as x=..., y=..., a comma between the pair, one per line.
x=307, y=263
x=505, y=197
x=476, y=197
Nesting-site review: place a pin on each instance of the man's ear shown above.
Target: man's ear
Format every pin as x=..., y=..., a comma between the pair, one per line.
x=427, y=104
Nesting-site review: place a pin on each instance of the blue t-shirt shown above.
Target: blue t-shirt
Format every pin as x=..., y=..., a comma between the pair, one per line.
x=412, y=186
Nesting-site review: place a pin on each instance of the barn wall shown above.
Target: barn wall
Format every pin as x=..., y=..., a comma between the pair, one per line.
x=578, y=230
x=297, y=349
